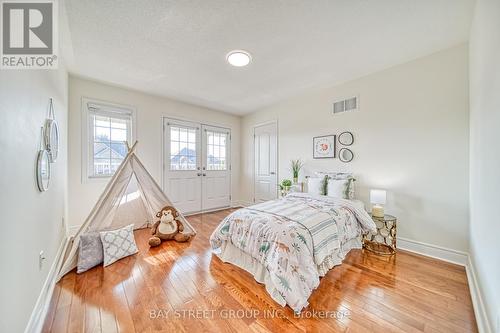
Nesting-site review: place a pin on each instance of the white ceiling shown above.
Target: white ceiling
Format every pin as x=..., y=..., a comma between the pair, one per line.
x=177, y=48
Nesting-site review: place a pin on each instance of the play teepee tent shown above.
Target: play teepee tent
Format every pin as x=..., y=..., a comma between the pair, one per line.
x=131, y=197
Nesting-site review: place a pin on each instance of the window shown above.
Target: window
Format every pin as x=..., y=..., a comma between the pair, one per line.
x=182, y=148
x=109, y=131
x=216, y=150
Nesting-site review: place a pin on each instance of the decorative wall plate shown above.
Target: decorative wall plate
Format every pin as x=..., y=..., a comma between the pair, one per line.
x=346, y=138
x=345, y=155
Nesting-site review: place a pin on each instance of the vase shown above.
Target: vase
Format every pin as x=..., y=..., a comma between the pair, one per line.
x=296, y=180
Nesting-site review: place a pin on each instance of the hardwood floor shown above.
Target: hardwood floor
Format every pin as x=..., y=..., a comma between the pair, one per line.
x=160, y=289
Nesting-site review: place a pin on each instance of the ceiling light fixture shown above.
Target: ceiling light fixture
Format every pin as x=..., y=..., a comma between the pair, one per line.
x=238, y=58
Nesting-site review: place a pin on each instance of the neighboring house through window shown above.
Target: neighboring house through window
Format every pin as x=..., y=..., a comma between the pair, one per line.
x=109, y=129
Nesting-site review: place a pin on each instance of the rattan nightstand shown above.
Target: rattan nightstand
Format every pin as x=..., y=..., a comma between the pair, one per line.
x=384, y=240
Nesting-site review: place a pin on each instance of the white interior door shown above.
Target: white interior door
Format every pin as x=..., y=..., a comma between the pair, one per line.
x=216, y=168
x=182, y=164
x=265, y=158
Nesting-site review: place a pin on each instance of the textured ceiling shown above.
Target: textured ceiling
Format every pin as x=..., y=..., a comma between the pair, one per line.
x=177, y=48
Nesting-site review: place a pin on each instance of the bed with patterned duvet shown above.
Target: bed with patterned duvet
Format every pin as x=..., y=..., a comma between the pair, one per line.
x=289, y=243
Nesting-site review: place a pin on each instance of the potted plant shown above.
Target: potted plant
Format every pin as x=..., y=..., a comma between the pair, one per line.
x=296, y=167
x=285, y=186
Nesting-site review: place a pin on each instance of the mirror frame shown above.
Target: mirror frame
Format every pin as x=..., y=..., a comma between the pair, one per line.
x=341, y=156
x=345, y=134
x=42, y=155
x=51, y=138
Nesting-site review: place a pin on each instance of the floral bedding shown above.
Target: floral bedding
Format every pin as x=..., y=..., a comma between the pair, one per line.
x=291, y=237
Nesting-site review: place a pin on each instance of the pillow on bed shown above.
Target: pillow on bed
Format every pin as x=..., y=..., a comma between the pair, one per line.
x=316, y=185
x=118, y=244
x=338, y=188
x=341, y=176
x=90, y=252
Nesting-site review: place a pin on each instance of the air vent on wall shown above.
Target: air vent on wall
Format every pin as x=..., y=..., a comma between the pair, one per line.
x=350, y=104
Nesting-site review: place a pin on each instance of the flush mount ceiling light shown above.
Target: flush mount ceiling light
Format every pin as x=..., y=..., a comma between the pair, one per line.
x=238, y=58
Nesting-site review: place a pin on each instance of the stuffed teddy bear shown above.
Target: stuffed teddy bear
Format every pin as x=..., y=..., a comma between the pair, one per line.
x=168, y=227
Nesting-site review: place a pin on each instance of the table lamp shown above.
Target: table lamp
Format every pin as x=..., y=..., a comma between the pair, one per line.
x=377, y=198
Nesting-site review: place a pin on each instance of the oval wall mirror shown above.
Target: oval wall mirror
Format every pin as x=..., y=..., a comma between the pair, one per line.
x=346, y=155
x=51, y=136
x=346, y=138
x=52, y=139
x=43, y=170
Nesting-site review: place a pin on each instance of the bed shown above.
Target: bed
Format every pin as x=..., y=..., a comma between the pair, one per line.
x=289, y=243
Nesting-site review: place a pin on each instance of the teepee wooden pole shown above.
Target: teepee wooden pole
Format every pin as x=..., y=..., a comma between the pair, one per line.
x=131, y=149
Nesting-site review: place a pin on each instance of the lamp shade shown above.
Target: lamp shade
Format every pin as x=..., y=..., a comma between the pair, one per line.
x=378, y=197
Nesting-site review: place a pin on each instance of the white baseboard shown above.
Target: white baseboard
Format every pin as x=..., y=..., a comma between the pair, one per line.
x=433, y=251
x=73, y=229
x=242, y=203
x=459, y=258
x=480, y=311
x=42, y=304
x=236, y=204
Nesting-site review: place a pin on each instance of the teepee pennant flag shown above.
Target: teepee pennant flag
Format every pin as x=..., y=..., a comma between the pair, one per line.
x=132, y=196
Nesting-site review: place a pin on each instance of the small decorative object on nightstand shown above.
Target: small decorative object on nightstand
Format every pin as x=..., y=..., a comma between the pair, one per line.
x=378, y=198
x=384, y=240
x=286, y=187
x=298, y=187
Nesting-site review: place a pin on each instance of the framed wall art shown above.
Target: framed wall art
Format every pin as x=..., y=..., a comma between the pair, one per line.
x=324, y=146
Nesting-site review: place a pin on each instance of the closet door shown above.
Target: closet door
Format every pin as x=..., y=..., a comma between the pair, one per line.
x=266, y=162
x=216, y=168
x=182, y=164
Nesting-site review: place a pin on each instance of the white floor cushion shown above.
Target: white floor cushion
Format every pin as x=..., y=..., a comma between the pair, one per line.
x=118, y=244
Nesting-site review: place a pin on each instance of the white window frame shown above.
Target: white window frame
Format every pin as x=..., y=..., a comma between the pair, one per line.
x=227, y=153
x=106, y=108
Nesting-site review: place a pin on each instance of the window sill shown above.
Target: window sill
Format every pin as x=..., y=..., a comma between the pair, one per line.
x=95, y=179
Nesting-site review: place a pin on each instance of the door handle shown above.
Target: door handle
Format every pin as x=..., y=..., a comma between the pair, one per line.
x=272, y=173
x=204, y=174
x=199, y=174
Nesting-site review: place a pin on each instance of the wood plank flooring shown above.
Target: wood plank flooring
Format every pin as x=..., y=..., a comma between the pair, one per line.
x=166, y=288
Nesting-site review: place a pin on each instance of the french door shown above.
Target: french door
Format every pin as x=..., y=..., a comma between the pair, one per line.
x=196, y=170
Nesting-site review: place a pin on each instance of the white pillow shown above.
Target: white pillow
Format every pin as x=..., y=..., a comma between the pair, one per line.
x=118, y=244
x=341, y=175
x=315, y=185
x=337, y=188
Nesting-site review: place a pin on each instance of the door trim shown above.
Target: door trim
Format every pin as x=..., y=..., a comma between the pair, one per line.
x=162, y=152
x=270, y=122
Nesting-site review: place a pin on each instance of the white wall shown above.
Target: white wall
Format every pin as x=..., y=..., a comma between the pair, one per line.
x=484, y=153
x=411, y=138
x=31, y=221
x=150, y=110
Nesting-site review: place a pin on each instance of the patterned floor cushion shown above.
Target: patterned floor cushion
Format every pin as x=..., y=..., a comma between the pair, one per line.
x=118, y=244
